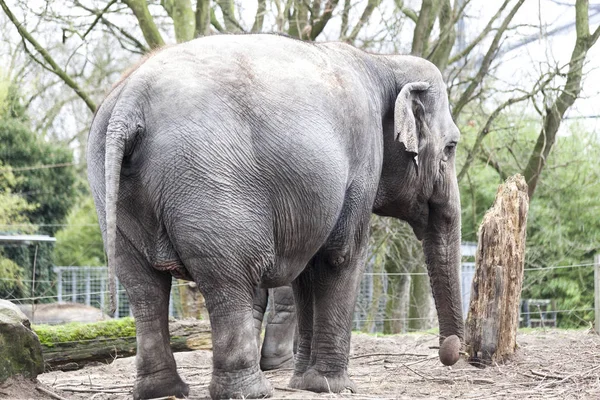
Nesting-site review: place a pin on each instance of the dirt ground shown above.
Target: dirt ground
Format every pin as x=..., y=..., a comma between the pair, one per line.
x=550, y=364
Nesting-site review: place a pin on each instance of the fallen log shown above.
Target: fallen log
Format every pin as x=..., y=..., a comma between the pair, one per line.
x=72, y=346
x=493, y=319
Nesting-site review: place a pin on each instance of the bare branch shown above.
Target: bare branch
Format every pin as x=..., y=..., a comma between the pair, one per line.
x=441, y=49
x=427, y=16
x=98, y=17
x=486, y=62
x=364, y=18
x=480, y=37
x=409, y=12
x=112, y=27
x=298, y=21
x=215, y=22
x=594, y=37
x=345, y=15
x=146, y=22
x=319, y=23
x=54, y=67
x=483, y=132
x=489, y=159
x=228, y=10
x=566, y=98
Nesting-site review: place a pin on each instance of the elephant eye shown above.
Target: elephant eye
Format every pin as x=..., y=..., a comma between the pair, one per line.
x=449, y=149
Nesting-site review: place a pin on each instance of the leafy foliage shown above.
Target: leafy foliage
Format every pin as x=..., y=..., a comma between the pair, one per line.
x=12, y=209
x=51, y=188
x=80, y=242
x=29, y=196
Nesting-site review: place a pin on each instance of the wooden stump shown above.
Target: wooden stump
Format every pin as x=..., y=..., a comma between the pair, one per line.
x=493, y=318
x=191, y=301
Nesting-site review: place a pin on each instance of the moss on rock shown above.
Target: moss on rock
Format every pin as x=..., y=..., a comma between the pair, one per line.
x=20, y=350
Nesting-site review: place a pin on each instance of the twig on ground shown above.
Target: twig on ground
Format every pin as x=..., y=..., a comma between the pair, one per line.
x=84, y=384
x=93, y=390
x=389, y=355
x=50, y=393
x=543, y=375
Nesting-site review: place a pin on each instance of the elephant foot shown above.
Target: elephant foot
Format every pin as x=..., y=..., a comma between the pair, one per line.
x=318, y=382
x=160, y=385
x=270, y=363
x=249, y=383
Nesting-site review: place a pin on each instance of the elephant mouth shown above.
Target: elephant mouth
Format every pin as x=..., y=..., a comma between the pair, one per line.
x=419, y=231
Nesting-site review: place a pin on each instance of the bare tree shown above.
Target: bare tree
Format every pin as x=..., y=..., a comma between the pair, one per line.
x=97, y=42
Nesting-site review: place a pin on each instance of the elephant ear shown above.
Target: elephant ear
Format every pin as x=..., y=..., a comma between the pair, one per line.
x=405, y=124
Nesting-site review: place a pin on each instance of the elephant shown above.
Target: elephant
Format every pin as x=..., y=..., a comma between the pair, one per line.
x=257, y=160
x=280, y=339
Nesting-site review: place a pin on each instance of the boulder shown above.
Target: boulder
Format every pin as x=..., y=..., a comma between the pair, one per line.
x=20, y=349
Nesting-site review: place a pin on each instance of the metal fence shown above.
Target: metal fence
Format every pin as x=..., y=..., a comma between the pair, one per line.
x=89, y=286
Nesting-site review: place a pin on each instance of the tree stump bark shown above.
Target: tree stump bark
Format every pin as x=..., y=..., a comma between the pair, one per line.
x=493, y=318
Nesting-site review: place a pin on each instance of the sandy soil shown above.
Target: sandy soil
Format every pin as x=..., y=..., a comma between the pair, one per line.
x=550, y=364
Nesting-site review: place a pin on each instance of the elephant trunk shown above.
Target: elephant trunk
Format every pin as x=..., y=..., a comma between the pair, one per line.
x=441, y=245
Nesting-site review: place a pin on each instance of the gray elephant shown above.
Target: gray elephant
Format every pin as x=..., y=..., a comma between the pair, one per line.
x=277, y=350
x=256, y=160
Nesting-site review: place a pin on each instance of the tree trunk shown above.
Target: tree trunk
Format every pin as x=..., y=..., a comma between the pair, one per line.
x=191, y=301
x=231, y=22
x=260, y=16
x=493, y=319
x=147, y=25
x=186, y=335
x=184, y=20
x=202, y=18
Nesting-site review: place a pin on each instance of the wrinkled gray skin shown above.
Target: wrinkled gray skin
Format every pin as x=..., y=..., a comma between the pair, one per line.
x=277, y=350
x=257, y=160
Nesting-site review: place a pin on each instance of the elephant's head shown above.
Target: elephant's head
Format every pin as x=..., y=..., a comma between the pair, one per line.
x=418, y=181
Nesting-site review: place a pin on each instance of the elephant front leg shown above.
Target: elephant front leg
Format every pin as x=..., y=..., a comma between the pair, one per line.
x=335, y=281
x=278, y=344
x=259, y=307
x=157, y=376
x=302, y=288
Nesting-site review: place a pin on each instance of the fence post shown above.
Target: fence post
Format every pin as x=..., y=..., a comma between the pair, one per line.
x=597, y=292
x=60, y=283
x=88, y=288
x=74, y=285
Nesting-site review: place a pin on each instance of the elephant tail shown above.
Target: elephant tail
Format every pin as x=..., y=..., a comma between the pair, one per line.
x=120, y=135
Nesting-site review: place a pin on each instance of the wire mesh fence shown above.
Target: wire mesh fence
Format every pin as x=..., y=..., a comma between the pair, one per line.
x=89, y=286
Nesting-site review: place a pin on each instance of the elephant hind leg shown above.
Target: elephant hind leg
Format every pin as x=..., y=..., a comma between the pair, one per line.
x=229, y=297
x=334, y=277
x=148, y=291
